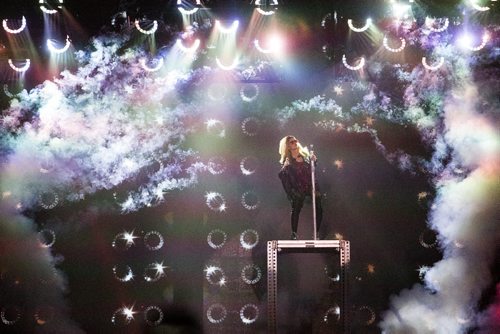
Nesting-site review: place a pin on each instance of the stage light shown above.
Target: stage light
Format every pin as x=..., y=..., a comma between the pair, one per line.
x=47, y=10
x=153, y=315
x=224, y=30
x=227, y=67
x=216, y=165
x=188, y=11
x=251, y=274
x=190, y=49
x=333, y=313
x=10, y=315
x=249, y=239
x=47, y=238
x=14, y=31
x=249, y=98
x=147, y=32
x=48, y=200
x=265, y=12
x=429, y=23
x=20, y=69
x=215, y=201
x=216, y=313
x=388, y=48
x=363, y=28
x=248, y=165
x=249, y=200
x=249, y=314
x=153, y=245
x=400, y=10
x=215, y=275
x=476, y=6
x=220, y=235
x=53, y=49
x=360, y=65
x=250, y=126
x=123, y=273
x=434, y=67
x=276, y=43
x=154, y=272
x=465, y=41
x=157, y=67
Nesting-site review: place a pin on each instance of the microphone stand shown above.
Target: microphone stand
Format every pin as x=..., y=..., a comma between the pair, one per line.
x=313, y=167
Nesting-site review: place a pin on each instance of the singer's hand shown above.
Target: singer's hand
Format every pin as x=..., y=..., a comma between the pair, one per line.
x=313, y=157
x=286, y=163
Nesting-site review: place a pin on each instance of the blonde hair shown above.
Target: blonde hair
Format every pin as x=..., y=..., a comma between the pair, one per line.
x=285, y=153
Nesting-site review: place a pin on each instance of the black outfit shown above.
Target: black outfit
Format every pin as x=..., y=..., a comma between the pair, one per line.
x=296, y=180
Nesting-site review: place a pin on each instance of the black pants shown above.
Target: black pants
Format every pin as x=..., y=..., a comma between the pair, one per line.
x=297, y=204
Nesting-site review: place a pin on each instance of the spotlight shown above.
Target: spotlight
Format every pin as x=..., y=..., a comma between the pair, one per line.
x=186, y=11
x=224, y=30
x=276, y=42
x=20, y=69
x=190, y=49
x=14, y=31
x=361, y=29
x=400, y=10
x=53, y=49
x=48, y=8
x=465, y=42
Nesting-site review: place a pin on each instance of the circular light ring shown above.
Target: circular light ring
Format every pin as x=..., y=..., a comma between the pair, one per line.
x=245, y=170
x=48, y=200
x=147, y=32
x=10, y=315
x=47, y=238
x=250, y=195
x=211, y=236
x=244, y=316
x=216, y=165
x=245, y=126
x=7, y=92
x=120, y=242
x=434, y=67
x=361, y=29
x=360, y=65
x=120, y=317
x=249, y=98
x=429, y=23
x=44, y=315
x=14, y=31
x=265, y=12
x=186, y=11
x=157, y=67
x=148, y=311
x=332, y=312
x=256, y=43
x=224, y=30
x=123, y=274
x=372, y=317
x=255, y=271
x=484, y=41
x=20, y=69
x=388, y=48
x=48, y=11
x=227, y=67
x=425, y=243
x=477, y=7
x=243, y=239
x=215, y=275
x=222, y=316
x=53, y=49
x=154, y=272
x=191, y=49
x=147, y=240
x=328, y=273
x=215, y=201
x=216, y=127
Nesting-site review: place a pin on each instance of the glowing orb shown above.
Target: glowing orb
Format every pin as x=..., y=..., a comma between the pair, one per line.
x=249, y=314
x=216, y=239
x=216, y=313
x=14, y=31
x=357, y=67
x=249, y=239
x=360, y=29
x=251, y=274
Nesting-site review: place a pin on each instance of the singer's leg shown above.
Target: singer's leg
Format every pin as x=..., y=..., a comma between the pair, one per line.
x=297, y=204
